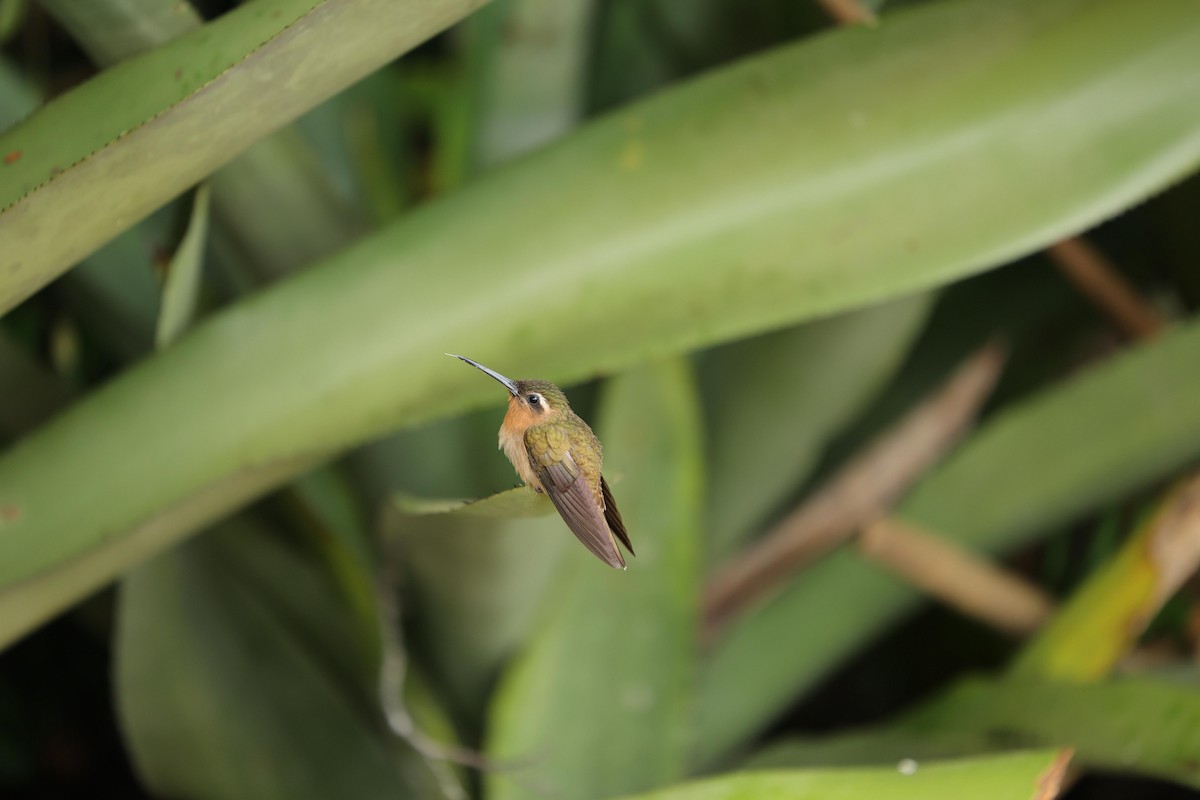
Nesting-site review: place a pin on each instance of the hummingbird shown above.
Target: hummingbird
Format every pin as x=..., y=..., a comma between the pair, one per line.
x=555, y=452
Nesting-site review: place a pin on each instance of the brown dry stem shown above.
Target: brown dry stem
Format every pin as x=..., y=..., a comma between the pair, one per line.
x=967, y=582
x=1102, y=283
x=848, y=12
x=860, y=492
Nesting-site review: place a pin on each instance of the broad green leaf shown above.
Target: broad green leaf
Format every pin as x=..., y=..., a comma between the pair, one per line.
x=181, y=290
x=279, y=209
x=601, y=701
x=511, y=504
x=476, y=585
x=792, y=185
x=113, y=30
x=274, y=202
x=984, y=496
x=886, y=745
x=273, y=205
x=328, y=511
x=379, y=121
x=237, y=676
x=776, y=400
x=115, y=292
x=479, y=583
x=29, y=392
x=451, y=458
x=17, y=97
x=1135, y=724
x=641, y=45
x=1018, y=776
x=1139, y=725
x=55, y=589
x=478, y=570
x=531, y=77
x=12, y=14
x=87, y=167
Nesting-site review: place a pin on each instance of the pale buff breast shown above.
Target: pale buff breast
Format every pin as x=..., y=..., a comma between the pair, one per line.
x=512, y=442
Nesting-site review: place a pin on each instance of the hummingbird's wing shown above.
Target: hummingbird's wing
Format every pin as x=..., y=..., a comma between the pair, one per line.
x=613, y=517
x=578, y=504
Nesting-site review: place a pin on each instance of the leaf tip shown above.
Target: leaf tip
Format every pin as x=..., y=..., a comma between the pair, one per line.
x=1050, y=782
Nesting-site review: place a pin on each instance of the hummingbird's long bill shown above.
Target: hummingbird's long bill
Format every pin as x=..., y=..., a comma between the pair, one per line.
x=508, y=384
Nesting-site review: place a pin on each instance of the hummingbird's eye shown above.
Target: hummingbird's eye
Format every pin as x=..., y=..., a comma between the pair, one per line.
x=535, y=400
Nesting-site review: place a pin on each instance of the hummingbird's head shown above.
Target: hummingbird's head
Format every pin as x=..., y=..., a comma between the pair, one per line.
x=540, y=399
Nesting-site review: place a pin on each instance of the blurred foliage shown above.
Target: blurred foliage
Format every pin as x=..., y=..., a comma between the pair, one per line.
x=746, y=242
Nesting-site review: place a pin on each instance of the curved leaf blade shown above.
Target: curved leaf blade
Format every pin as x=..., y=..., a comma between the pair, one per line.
x=776, y=400
x=218, y=674
x=1139, y=724
x=86, y=167
x=181, y=290
x=673, y=224
x=984, y=496
x=112, y=30
x=478, y=581
x=1019, y=776
x=616, y=653
x=510, y=504
x=1134, y=724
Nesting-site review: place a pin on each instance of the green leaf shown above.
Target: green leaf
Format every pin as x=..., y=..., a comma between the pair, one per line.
x=984, y=496
x=676, y=223
x=115, y=292
x=18, y=98
x=87, y=166
x=327, y=509
x=511, y=504
x=237, y=676
x=776, y=400
x=1138, y=725
x=1125, y=724
x=531, y=74
x=280, y=209
x=615, y=659
x=1018, y=776
x=113, y=30
x=477, y=584
x=12, y=15
x=182, y=287
x=42, y=393
x=274, y=202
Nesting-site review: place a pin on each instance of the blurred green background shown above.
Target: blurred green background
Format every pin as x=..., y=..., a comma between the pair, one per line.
x=752, y=240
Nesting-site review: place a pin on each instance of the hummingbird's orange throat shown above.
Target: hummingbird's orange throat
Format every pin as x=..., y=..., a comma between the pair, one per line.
x=520, y=418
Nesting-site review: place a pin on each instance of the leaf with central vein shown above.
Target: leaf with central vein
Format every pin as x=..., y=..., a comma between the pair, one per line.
x=477, y=578
x=89, y=167
x=181, y=290
x=615, y=658
x=239, y=674
x=112, y=30
x=1016, y=776
x=984, y=496
x=1142, y=725
x=795, y=184
x=776, y=400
